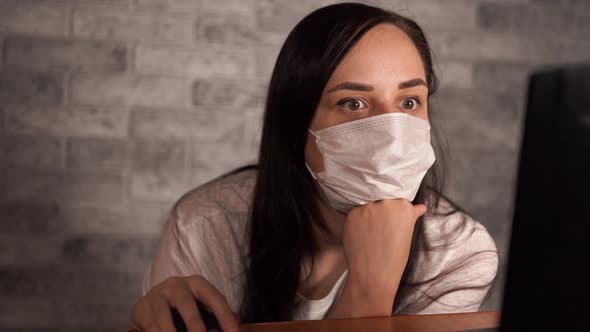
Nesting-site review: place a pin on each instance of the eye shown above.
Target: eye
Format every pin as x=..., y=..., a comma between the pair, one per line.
x=409, y=104
x=352, y=104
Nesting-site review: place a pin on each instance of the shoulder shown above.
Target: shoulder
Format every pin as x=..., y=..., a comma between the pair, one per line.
x=456, y=263
x=227, y=197
x=455, y=241
x=205, y=234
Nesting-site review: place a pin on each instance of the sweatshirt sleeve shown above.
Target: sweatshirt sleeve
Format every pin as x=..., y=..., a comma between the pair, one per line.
x=204, y=234
x=470, y=269
x=174, y=256
x=200, y=243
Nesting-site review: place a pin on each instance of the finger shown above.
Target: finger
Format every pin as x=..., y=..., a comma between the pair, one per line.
x=186, y=305
x=211, y=297
x=141, y=317
x=419, y=210
x=161, y=309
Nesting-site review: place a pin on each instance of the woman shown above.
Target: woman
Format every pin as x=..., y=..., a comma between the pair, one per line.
x=343, y=216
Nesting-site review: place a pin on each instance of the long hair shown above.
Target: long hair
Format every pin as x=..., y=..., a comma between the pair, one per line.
x=285, y=199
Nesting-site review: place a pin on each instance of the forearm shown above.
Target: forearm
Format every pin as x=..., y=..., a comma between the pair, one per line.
x=358, y=300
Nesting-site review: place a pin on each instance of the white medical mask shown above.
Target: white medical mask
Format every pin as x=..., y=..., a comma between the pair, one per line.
x=375, y=158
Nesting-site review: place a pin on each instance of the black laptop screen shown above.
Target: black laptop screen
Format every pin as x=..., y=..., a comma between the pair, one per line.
x=547, y=282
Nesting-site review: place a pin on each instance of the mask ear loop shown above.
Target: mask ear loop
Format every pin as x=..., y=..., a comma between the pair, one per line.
x=310, y=171
x=314, y=134
x=320, y=175
x=313, y=175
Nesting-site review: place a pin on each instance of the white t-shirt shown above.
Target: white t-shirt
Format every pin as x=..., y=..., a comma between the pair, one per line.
x=205, y=234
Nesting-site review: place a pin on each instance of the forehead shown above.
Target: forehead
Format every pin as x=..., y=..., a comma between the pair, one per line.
x=385, y=54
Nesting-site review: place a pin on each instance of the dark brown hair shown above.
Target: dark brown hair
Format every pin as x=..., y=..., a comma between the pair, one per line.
x=285, y=202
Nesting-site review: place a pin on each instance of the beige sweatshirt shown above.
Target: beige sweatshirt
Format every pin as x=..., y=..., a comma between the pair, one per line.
x=206, y=236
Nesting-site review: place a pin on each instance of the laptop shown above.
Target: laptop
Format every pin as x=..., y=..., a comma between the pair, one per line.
x=547, y=284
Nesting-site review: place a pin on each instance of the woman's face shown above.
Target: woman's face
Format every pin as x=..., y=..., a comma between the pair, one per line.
x=382, y=73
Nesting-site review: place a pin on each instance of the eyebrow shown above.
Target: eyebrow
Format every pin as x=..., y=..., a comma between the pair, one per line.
x=351, y=86
x=412, y=83
x=365, y=87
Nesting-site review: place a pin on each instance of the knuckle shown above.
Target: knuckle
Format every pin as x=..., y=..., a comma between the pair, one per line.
x=406, y=204
x=183, y=299
x=197, y=277
x=385, y=203
x=161, y=310
x=193, y=320
x=171, y=285
x=197, y=280
x=173, y=280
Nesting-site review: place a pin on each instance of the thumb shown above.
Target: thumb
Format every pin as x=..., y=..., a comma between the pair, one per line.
x=419, y=210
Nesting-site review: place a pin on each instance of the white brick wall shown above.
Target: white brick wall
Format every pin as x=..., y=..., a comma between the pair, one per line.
x=111, y=109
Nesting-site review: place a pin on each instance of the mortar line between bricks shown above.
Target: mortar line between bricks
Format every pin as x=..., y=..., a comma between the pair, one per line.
x=188, y=157
x=3, y=119
x=131, y=58
x=69, y=26
x=130, y=170
x=66, y=82
x=2, y=50
x=126, y=175
x=195, y=29
x=64, y=153
x=127, y=120
x=130, y=10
